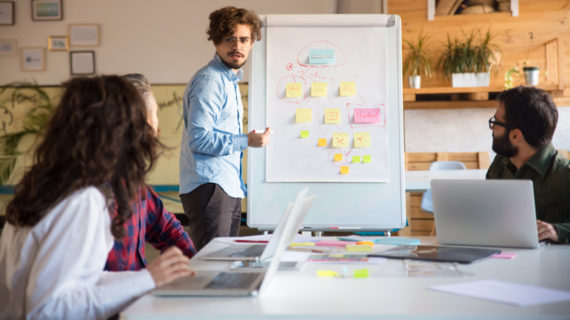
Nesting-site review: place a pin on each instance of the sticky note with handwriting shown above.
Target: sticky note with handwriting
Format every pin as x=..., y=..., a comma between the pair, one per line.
x=361, y=139
x=303, y=115
x=366, y=115
x=318, y=89
x=347, y=88
x=340, y=140
x=332, y=115
x=294, y=90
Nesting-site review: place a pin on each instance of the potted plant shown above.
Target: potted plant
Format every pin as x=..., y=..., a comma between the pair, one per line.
x=531, y=74
x=417, y=61
x=20, y=94
x=468, y=61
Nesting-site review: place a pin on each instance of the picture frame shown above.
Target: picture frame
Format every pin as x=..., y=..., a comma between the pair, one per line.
x=7, y=13
x=33, y=59
x=58, y=43
x=83, y=35
x=47, y=10
x=8, y=47
x=82, y=62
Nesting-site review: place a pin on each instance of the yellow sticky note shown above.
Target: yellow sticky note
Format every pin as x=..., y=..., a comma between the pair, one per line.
x=361, y=273
x=322, y=142
x=347, y=88
x=340, y=140
x=304, y=133
x=367, y=159
x=358, y=248
x=304, y=115
x=294, y=90
x=302, y=244
x=332, y=115
x=355, y=159
x=361, y=139
x=327, y=273
x=344, y=170
x=318, y=89
x=337, y=157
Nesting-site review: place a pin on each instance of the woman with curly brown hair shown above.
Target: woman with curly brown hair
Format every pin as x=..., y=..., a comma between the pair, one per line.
x=72, y=202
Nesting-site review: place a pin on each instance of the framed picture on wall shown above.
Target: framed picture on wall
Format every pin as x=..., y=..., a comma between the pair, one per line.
x=82, y=62
x=43, y=10
x=86, y=35
x=6, y=13
x=8, y=47
x=33, y=59
x=58, y=43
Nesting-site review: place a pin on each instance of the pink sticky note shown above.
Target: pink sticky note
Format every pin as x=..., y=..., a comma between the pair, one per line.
x=332, y=243
x=504, y=255
x=367, y=115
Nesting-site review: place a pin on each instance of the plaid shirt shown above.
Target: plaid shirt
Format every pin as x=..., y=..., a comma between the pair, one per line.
x=150, y=223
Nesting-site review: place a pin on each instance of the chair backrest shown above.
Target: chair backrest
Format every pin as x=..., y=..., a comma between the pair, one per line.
x=427, y=204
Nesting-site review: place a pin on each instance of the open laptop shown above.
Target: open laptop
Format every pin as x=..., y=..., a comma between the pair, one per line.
x=497, y=213
x=239, y=283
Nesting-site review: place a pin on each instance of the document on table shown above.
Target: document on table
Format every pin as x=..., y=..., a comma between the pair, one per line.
x=505, y=292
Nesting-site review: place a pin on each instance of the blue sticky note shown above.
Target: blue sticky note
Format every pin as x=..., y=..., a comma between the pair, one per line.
x=397, y=241
x=321, y=56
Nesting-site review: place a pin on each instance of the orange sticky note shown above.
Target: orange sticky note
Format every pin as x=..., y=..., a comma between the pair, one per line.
x=344, y=170
x=318, y=89
x=347, y=88
x=332, y=115
x=322, y=142
x=337, y=157
x=293, y=90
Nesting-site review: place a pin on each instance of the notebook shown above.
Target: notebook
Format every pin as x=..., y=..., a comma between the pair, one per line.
x=240, y=283
x=436, y=253
x=497, y=213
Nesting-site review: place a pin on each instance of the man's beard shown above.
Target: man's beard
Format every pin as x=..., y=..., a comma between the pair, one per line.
x=233, y=65
x=503, y=146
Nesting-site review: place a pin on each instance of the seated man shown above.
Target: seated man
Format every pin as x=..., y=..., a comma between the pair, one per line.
x=523, y=127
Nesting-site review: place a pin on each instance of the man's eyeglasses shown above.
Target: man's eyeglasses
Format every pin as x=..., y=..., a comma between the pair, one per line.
x=493, y=122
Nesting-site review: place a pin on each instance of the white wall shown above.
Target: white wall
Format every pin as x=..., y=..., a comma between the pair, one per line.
x=164, y=39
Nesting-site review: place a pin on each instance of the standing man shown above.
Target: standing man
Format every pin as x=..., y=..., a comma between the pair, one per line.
x=523, y=127
x=211, y=187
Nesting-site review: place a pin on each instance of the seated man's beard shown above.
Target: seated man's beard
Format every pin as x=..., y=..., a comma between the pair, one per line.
x=503, y=146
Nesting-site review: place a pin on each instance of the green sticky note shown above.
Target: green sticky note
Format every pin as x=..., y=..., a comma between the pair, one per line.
x=304, y=133
x=361, y=273
x=367, y=159
x=355, y=159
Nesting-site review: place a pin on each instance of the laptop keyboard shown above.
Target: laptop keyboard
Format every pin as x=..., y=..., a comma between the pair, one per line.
x=232, y=280
x=252, y=251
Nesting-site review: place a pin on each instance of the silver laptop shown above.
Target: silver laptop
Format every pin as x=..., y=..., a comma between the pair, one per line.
x=240, y=283
x=497, y=213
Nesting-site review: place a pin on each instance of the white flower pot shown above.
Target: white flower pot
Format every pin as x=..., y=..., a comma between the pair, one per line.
x=462, y=80
x=415, y=82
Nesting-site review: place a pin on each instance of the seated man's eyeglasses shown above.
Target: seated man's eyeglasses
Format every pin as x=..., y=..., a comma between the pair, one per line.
x=493, y=122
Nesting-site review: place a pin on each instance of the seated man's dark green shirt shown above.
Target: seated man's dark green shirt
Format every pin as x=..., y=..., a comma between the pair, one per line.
x=550, y=175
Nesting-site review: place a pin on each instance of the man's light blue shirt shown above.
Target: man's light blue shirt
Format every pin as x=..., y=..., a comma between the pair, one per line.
x=212, y=141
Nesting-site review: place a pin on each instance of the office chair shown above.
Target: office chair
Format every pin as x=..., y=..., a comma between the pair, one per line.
x=427, y=203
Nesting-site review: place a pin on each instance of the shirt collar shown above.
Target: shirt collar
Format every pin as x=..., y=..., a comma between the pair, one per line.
x=229, y=73
x=541, y=159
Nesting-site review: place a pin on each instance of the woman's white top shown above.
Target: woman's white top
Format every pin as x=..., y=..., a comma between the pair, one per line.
x=54, y=270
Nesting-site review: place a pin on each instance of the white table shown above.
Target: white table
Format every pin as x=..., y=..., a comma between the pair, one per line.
x=419, y=180
x=302, y=295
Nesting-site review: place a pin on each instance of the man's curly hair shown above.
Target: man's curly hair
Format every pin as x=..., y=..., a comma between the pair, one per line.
x=224, y=20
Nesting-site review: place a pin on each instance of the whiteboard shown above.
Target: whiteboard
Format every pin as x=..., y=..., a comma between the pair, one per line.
x=352, y=194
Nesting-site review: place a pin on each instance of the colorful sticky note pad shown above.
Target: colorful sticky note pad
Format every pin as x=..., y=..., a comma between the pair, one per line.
x=366, y=115
x=318, y=89
x=361, y=273
x=337, y=157
x=321, y=56
x=304, y=133
x=347, y=88
x=322, y=142
x=304, y=115
x=344, y=170
x=366, y=159
x=340, y=140
x=332, y=115
x=355, y=159
x=361, y=139
x=294, y=90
